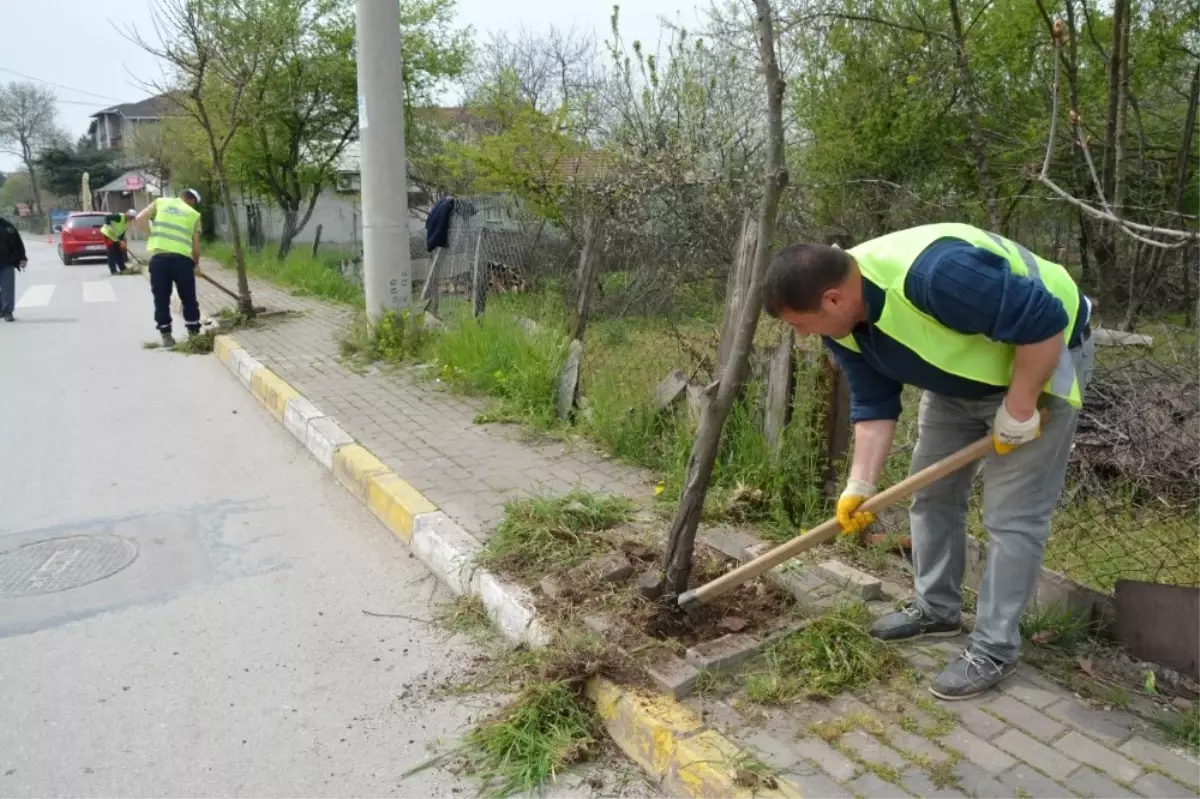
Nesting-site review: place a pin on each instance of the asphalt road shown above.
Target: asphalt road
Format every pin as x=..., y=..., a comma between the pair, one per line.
x=226, y=653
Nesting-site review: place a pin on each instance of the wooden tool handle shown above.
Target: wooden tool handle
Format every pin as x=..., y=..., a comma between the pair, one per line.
x=828, y=529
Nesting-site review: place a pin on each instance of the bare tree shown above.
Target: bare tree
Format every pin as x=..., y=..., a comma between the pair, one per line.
x=677, y=558
x=27, y=114
x=214, y=50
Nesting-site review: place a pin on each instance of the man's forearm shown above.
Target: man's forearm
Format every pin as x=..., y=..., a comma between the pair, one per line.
x=872, y=443
x=1032, y=368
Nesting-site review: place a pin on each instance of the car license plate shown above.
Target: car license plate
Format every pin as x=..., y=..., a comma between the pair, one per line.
x=94, y=247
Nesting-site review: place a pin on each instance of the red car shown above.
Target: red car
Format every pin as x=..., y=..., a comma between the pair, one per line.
x=81, y=238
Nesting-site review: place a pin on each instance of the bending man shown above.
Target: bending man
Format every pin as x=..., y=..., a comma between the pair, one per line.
x=991, y=332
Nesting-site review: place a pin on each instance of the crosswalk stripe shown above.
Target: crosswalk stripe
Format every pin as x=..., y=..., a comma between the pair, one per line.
x=36, y=296
x=99, y=291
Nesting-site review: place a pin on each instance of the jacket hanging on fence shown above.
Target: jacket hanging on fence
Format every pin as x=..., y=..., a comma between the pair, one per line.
x=437, y=225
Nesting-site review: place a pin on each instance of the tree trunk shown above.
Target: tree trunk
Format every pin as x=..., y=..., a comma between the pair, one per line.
x=978, y=142
x=288, y=234
x=1181, y=182
x=677, y=557
x=589, y=269
x=245, y=301
x=1106, y=234
x=736, y=289
x=34, y=189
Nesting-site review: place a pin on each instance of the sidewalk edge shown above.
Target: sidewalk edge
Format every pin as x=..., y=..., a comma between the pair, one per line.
x=670, y=742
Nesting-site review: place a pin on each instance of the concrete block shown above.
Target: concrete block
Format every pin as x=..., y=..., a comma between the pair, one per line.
x=296, y=416
x=671, y=674
x=870, y=786
x=1085, y=750
x=1022, y=780
x=224, y=346
x=851, y=580
x=985, y=725
x=1021, y=715
x=1109, y=727
x=244, y=366
x=831, y=761
x=1049, y=761
x=730, y=543
x=1176, y=767
x=977, y=751
x=727, y=652
x=918, y=783
x=1160, y=786
x=870, y=750
x=447, y=549
x=324, y=438
x=610, y=568
x=272, y=391
x=1089, y=782
x=354, y=466
x=396, y=503
x=645, y=727
x=1032, y=695
x=511, y=609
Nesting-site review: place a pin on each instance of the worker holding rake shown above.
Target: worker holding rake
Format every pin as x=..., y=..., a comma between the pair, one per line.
x=991, y=333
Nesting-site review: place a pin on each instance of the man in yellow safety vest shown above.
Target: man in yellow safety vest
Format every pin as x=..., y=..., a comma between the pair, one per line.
x=113, y=231
x=174, y=246
x=991, y=332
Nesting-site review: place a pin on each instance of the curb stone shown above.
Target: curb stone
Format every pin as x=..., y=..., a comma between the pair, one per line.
x=667, y=739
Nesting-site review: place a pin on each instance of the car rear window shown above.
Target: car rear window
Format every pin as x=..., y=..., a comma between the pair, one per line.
x=89, y=220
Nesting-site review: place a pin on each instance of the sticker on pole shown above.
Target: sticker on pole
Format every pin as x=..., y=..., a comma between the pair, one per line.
x=362, y=112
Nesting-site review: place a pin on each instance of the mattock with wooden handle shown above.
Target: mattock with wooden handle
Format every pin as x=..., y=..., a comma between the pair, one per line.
x=690, y=600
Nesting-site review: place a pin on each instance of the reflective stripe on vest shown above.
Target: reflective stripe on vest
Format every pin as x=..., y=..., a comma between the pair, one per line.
x=885, y=262
x=173, y=226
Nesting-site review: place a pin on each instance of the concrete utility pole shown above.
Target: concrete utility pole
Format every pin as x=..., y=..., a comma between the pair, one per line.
x=387, y=273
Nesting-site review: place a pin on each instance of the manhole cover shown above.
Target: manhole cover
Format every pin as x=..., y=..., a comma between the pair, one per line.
x=57, y=564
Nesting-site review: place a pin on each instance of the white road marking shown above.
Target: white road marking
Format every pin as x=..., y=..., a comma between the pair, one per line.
x=36, y=296
x=98, y=291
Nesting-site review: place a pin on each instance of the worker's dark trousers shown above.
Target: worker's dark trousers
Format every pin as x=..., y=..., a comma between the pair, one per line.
x=116, y=256
x=167, y=270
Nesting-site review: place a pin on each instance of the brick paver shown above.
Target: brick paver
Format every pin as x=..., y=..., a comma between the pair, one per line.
x=1030, y=738
x=426, y=435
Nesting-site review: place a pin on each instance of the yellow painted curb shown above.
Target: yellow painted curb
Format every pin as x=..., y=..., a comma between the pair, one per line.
x=272, y=391
x=353, y=466
x=671, y=744
x=224, y=346
x=395, y=502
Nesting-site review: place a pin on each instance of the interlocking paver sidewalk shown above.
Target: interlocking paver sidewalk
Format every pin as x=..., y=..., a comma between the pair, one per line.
x=1032, y=738
x=421, y=432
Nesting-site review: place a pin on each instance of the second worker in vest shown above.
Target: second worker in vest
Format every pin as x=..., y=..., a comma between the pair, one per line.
x=991, y=333
x=174, y=246
x=113, y=231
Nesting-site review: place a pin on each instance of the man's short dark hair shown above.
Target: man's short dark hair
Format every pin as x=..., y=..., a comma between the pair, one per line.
x=799, y=276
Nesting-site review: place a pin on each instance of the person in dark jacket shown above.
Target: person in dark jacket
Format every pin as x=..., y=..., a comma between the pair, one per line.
x=12, y=258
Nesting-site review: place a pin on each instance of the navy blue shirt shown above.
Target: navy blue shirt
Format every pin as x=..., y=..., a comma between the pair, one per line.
x=967, y=289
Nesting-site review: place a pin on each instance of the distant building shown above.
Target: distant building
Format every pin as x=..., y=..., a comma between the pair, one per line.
x=116, y=127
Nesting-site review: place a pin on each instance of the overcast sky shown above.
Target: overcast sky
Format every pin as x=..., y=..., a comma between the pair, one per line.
x=77, y=45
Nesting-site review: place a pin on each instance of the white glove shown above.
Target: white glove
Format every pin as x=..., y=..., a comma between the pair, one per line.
x=1008, y=433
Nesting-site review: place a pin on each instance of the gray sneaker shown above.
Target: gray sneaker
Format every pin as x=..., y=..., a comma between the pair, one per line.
x=9, y=318
x=168, y=340
x=971, y=675
x=910, y=624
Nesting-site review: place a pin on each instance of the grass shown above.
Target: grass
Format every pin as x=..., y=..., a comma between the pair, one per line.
x=832, y=654
x=548, y=726
x=300, y=272
x=397, y=337
x=623, y=362
x=1056, y=628
x=1184, y=728
x=543, y=534
x=496, y=357
x=464, y=615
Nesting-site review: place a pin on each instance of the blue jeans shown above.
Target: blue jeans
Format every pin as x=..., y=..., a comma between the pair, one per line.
x=8, y=287
x=1020, y=491
x=167, y=270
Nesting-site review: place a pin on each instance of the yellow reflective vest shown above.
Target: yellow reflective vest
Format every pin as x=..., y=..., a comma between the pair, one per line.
x=172, y=227
x=885, y=261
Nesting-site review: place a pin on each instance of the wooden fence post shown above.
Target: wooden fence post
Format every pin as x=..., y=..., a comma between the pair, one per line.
x=316, y=241
x=479, y=278
x=589, y=267
x=430, y=290
x=781, y=381
x=836, y=427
